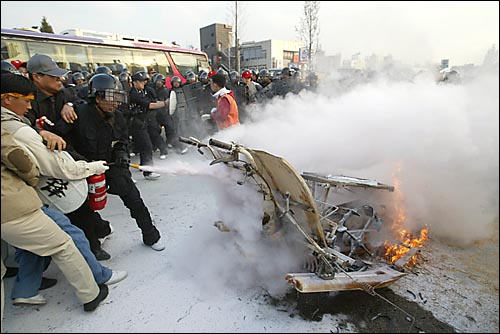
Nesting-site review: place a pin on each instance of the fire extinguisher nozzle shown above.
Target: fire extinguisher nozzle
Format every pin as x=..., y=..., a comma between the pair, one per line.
x=136, y=166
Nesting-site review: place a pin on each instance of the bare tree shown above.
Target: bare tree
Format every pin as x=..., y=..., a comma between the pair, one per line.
x=308, y=28
x=46, y=27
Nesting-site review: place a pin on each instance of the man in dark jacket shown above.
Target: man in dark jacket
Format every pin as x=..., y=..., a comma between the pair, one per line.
x=53, y=101
x=100, y=133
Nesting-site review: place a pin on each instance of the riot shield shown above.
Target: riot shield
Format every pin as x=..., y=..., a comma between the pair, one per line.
x=282, y=87
x=172, y=105
x=181, y=110
x=192, y=93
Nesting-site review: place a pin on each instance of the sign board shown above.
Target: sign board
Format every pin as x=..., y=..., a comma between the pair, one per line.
x=444, y=63
x=303, y=54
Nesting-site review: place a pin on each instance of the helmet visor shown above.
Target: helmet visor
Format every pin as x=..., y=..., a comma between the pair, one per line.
x=114, y=95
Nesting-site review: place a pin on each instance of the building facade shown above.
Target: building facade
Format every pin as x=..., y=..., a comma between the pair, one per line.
x=216, y=41
x=270, y=53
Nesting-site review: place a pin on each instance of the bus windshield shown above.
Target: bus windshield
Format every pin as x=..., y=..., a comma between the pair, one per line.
x=186, y=62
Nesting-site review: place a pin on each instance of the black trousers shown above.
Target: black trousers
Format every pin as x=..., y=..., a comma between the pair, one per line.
x=166, y=120
x=119, y=181
x=145, y=132
x=91, y=223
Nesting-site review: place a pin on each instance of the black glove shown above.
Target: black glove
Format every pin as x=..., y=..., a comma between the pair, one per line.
x=135, y=109
x=120, y=157
x=122, y=162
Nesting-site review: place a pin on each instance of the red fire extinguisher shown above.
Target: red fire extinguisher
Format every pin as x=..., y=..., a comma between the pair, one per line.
x=97, y=191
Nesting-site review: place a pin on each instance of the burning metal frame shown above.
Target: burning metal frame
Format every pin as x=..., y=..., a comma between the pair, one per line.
x=345, y=251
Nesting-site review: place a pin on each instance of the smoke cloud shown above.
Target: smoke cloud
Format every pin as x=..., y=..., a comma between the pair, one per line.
x=439, y=141
x=438, y=144
x=239, y=257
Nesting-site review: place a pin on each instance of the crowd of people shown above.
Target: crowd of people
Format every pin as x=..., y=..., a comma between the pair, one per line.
x=59, y=128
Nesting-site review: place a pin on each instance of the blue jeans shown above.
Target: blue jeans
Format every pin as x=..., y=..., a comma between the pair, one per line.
x=31, y=266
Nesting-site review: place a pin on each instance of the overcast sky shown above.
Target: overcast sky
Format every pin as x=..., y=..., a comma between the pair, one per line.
x=409, y=31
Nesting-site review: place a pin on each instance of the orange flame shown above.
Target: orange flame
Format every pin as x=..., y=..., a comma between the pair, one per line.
x=405, y=239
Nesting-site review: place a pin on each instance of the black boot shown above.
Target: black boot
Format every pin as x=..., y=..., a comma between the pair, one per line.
x=11, y=272
x=103, y=293
x=150, y=237
x=47, y=283
x=101, y=254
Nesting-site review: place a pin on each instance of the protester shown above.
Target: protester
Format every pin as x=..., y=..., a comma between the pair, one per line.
x=24, y=225
x=225, y=113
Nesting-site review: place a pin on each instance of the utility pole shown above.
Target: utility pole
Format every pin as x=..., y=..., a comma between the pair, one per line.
x=230, y=33
x=236, y=40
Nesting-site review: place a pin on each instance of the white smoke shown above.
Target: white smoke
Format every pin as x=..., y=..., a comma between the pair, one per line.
x=444, y=138
x=240, y=257
x=441, y=141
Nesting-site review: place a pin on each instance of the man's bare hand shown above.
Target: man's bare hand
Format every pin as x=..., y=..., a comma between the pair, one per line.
x=52, y=140
x=68, y=114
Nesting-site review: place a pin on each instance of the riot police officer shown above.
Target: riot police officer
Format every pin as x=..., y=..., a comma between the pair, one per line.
x=163, y=116
x=264, y=77
x=9, y=68
x=100, y=133
x=144, y=127
x=179, y=112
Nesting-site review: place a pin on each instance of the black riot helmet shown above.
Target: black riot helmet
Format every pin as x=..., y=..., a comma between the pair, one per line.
x=264, y=73
x=312, y=76
x=175, y=79
x=77, y=76
x=203, y=76
x=9, y=68
x=153, y=76
x=140, y=76
x=190, y=77
x=116, y=68
x=106, y=86
x=124, y=76
x=285, y=72
x=224, y=73
x=234, y=76
x=87, y=75
x=159, y=78
x=103, y=69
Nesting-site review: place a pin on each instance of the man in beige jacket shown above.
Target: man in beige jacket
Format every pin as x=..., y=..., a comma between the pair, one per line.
x=24, y=225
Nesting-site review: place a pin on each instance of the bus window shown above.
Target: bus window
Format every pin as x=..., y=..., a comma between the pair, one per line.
x=103, y=56
x=44, y=49
x=153, y=61
x=55, y=51
x=134, y=67
x=202, y=64
x=14, y=50
x=77, y=58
